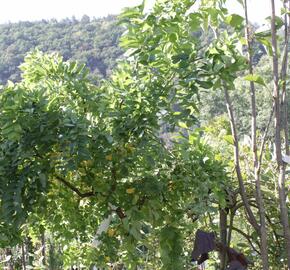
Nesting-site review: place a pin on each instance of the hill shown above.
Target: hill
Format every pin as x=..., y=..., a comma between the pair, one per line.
x=90, y=41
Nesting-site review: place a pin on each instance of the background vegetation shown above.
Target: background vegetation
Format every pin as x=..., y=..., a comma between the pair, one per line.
x=90, y=41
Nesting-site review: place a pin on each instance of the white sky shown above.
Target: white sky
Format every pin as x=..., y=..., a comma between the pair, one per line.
x=30, y=10
x=258, y=10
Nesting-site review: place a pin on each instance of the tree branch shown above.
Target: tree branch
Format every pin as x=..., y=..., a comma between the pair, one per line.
x=284, y=103
x=276, y=236
x=259, y=194
x=264, y=138
x=243, y=192
x=247, y=237
x=281, y=168
x=74, y=189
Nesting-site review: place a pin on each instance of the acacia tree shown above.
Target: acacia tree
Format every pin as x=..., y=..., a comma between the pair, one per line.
x=92, y=152
x=73, y=154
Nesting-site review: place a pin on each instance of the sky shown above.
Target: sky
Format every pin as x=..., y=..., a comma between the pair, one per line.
x=31, y=10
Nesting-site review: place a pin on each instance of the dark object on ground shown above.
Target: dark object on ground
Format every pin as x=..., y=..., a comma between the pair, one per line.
x=237, y=261
x=205, y=242
x=235, y=265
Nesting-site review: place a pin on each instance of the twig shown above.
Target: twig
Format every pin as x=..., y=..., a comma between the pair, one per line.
x=247, y=237
x=265, y=137
x=74, y=189
x=252, y=219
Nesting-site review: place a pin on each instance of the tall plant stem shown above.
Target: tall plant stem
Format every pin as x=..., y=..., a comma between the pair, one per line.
x=223, y=234
x=278, y=145
x=243, y=192
x=284, y=103
x=256, y=165
x=23, y=257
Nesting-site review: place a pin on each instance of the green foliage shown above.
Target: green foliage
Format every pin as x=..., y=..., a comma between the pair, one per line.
x=91, y=42
x=62, y=137
x=235, y=21
x=73, y=154
x=171, y=248
x=255, y=78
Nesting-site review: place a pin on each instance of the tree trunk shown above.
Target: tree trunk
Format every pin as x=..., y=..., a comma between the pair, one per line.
x=223, y=234
x=29, y=251
x=23, y=259
x=243, y=192
x=43, y=248
x=229, y=236
x=259, y=195
x=278, y=144
x=8, y=253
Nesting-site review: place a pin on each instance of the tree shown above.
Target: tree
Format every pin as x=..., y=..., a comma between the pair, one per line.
x=92, y=42
x=92, y=153
x=280, y=117
x=257, y=159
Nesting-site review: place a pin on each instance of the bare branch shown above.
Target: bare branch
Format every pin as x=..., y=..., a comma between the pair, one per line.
x=276, y=236
x=231, y=223
x=284, y=102
x=247, y=237
x=243, y=192
x=281, y=168
x=259, y=194
x=74, y=189
x=264, y=138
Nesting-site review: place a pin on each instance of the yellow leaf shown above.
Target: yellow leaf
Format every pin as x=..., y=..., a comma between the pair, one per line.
x=130, y=190
x=89, y=163
x=109, y=157
x=111, y=232
x=130, y=148
x=170, y=185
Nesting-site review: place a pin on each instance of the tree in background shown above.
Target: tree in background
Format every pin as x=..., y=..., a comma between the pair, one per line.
x=93, y=42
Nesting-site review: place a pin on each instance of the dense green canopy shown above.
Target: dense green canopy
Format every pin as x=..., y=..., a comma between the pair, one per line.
x=90, y=41
x=71, y=151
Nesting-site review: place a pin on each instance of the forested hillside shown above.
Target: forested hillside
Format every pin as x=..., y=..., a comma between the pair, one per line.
x=90, y=41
